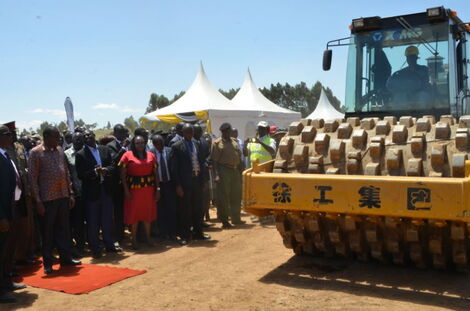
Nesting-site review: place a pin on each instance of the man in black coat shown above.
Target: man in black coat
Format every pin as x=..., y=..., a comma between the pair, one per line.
x=186, y=170
x=117, y=148
x=7, y=196
x=205, y=151
x=94, y=166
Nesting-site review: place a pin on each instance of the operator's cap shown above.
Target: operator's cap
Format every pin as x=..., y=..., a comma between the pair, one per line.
x=263, y=124
x=411, y=50
x=225, y=126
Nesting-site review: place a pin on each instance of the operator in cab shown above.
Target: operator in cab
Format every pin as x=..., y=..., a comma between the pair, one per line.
x=410, y=85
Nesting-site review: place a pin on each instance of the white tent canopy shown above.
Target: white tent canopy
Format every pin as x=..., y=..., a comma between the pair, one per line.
x=249, y=97
x=246, y=109
x=325, y=110
x=201, y=96
x=257, y=108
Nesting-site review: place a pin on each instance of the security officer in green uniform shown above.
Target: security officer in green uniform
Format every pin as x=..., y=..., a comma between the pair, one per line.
x=226, y=158
x=261, y=147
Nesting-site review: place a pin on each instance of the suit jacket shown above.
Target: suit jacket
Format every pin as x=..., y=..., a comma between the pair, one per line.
x=166, y=153
x=7, y=188
x=116, y=153
x=85, y=165
x=181, y=164
x=116, y=150
x=205, y=154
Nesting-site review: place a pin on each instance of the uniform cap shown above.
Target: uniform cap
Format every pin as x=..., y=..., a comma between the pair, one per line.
x=4, y=130
x=411, y=50
x=11, y=125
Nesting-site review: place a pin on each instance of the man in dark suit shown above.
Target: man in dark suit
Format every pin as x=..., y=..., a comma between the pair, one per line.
x=205, y=150
x=117, y=148
x=166, y=220
x=186, y=167
x=94, y=166
x=178, y=134
x=7, y=196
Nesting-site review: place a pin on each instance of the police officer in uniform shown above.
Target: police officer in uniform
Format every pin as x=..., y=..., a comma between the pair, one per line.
x=226, y=157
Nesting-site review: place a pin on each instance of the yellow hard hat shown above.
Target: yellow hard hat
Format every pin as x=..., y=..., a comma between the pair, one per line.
x=411, y=50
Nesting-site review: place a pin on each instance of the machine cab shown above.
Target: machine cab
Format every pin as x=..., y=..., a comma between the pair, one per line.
x=408, y=65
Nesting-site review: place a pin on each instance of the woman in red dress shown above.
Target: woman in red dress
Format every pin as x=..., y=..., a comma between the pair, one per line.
x=140, y=183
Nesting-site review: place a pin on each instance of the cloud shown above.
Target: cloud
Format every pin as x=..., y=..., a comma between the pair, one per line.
x=28, y=124
x=54, y=112
x=106, y=106
x=113, y=106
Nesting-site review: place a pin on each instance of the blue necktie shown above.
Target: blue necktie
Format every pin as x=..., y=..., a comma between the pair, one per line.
x=163, y=167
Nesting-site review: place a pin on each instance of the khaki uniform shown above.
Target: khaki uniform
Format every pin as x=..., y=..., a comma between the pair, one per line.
x=227, y=155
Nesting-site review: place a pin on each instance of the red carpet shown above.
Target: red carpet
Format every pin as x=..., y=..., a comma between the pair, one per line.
x=75, y=280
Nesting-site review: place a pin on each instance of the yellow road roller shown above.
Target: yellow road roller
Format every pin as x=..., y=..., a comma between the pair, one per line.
x=391, y=181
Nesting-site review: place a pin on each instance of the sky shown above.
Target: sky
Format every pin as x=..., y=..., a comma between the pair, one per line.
x=109, y=56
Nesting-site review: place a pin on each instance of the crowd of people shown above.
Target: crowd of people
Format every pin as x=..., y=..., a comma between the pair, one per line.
x=71, y=193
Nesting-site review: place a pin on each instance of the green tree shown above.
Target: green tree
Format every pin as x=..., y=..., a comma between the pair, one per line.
x=42, y=126
x=62, y=127
x=131, y=123
x=230, y=94
x=156, y=102
x=108, y=126
x=177, y=96
x=299, y=97
x=81, y=123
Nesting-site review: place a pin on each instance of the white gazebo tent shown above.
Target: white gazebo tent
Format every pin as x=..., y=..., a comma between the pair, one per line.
x=256, y=107
x=196, y=103
x=203, y=102
x=325, y=110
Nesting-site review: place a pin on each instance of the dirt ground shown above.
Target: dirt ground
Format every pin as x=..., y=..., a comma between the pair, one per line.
x=248, y=268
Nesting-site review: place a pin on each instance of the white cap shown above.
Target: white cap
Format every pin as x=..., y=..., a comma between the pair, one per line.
x=263, y=124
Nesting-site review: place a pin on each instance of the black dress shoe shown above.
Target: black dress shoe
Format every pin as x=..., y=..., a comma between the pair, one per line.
x=48, y=270
x=16, y=286
x=71, y=262
x=202, y=236
x=115, y=249
x=6, y=297
x=183, y=242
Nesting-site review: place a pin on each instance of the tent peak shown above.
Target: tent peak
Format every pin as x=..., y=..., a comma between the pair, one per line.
x=201, y=68
x=248, y=73
x=249, y=80
x=325, y=109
